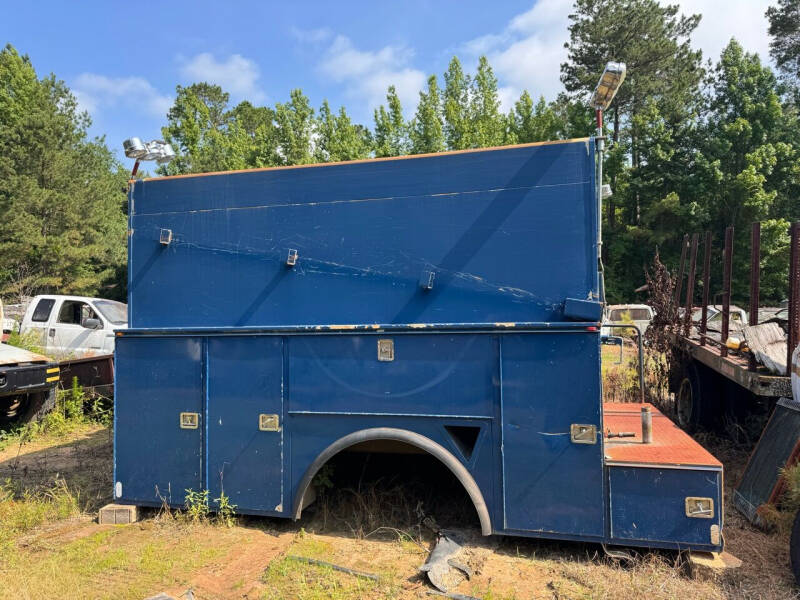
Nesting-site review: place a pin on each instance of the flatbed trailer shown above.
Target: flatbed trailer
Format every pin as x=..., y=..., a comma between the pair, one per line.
x=712, y=380
x=449, y=303
x=710, y=385
x=27, y=385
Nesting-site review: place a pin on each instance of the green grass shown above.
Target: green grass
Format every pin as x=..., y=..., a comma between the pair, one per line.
x=74, y=410
x=289, y=578
x=23, y=511
x=122, y=562
x=29, y=341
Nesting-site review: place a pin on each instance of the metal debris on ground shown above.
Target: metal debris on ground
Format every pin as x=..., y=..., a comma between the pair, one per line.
x=445, y=567
x=187, y=595
x=452, y=596
x=322, y=563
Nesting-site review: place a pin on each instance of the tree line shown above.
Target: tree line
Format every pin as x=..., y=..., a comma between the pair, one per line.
x=211, y=135
x=694, y=145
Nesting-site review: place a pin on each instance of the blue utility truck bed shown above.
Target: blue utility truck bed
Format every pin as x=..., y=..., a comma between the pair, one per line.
x=449, y=302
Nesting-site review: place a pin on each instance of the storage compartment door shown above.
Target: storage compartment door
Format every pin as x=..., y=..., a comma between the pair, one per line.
x=245, y=422
x=158, y=419
x=551, y=381
x=677, y=506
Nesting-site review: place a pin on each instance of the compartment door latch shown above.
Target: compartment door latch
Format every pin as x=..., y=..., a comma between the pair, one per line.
x=268, y=423
x=583, y=434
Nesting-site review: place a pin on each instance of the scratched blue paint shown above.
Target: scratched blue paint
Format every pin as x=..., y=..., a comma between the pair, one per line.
x=365, y=233
x=157, y=379
x=562, y=490
x=222, y=326
x=245, y=380
x=648, y=504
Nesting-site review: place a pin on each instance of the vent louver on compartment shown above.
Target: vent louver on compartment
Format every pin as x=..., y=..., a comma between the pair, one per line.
x=464, y=438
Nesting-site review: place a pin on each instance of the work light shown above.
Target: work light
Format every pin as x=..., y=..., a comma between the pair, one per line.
x=157, y=150
x=134, y=148
x=609, y=83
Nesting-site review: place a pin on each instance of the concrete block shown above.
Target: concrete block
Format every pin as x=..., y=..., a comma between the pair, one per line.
x=118, y=514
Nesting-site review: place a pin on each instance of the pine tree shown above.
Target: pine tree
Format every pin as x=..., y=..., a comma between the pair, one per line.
x=784, y=48
x=651, y=39
x=61, y=199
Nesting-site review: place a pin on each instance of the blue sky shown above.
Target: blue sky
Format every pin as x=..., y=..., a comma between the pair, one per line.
x=123, y=61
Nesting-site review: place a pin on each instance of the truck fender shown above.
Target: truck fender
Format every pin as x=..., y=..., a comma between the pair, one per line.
x=408, y=437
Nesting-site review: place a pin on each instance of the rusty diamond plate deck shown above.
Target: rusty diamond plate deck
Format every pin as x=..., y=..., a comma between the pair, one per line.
x=670, y=446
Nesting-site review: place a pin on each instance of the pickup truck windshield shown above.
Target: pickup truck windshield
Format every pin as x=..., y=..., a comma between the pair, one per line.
x=116, y=312
x=634, y=314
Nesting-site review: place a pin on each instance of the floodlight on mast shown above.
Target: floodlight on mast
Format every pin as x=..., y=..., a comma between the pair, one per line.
x=157, y=150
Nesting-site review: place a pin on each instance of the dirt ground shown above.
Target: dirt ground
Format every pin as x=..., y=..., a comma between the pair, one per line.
x=73, y=557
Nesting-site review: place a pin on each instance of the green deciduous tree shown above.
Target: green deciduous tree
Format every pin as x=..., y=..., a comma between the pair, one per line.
x=338, y=138
x=457, y=111
x=196, y=125
x=487, y=122
x=391, y=129
x=295, y=122
x=258, y=124
x=535, y=123
x=426, y=130
x=742, y=141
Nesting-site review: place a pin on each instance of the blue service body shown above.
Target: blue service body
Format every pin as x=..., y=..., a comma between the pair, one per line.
x=426, y=295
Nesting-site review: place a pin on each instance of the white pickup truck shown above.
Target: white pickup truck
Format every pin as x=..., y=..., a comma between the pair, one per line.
x=74, y=325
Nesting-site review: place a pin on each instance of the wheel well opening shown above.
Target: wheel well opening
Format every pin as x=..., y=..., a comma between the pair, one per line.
x=389, y=483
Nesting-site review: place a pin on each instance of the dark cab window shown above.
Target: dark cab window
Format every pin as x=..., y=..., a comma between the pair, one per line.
x=42, y=312
x=75, y=313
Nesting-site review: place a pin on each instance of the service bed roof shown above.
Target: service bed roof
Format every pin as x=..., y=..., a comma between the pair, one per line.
x=483, y=236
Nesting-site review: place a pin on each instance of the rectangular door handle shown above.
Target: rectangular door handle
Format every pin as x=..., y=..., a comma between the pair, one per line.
x=52, y=332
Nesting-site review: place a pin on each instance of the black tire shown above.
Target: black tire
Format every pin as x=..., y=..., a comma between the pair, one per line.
x=794, y=548
x=38, y=405
x=697, y=398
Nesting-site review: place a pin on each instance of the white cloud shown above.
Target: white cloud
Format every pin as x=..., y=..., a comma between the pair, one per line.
x=95, y=92
x=742, y=19
x=529, y=51
x=366, y=74
x=237, y=75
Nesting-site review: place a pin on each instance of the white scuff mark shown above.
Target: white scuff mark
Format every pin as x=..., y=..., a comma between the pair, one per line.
x=360, y=200
x=310, y=265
